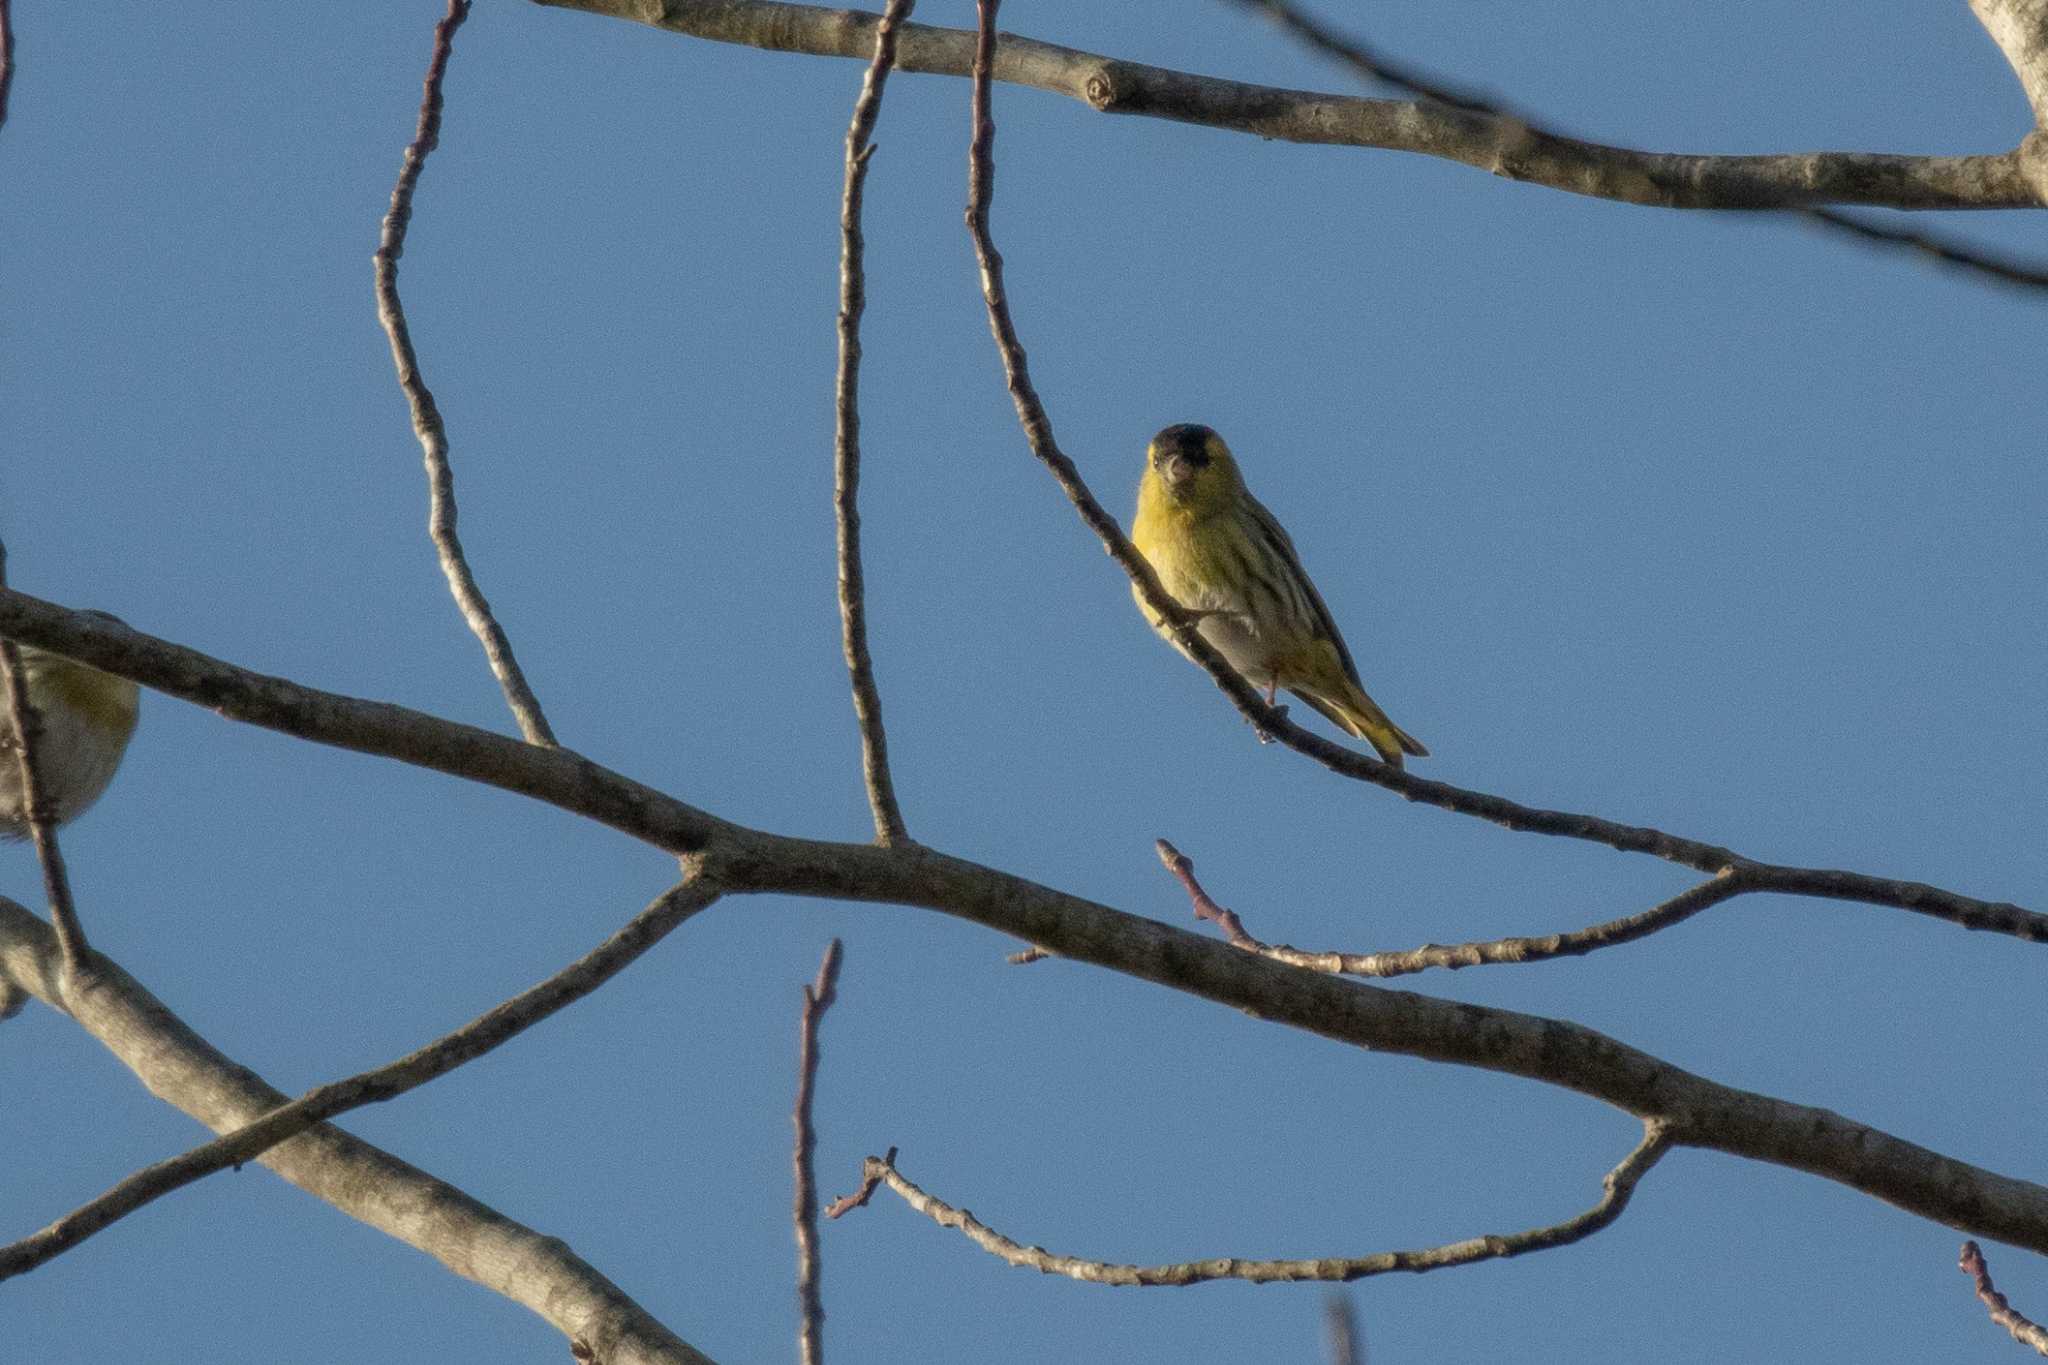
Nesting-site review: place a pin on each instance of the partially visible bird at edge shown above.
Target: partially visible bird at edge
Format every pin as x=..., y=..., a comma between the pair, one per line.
x=87, y=719
x=1222, y=555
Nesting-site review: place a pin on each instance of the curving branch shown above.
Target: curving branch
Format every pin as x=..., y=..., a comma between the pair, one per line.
x=1703, y=896
x=25, y=724
x=818, y=997
x=853, y=300
x=6, y=57
x=1619, y=1185
x=1701, y=1112
x=1320, y=37
x=1494, y=144
x=249, y=1139
x=426, y=415
x=2024, y=1330
x=1271, y=722
x=362, y=1181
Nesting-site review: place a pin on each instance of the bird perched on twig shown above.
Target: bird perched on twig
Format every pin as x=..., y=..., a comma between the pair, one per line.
x=87, y=719
x=1222, y=555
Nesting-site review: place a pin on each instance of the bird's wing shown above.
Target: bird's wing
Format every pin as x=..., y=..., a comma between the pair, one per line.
x=1282, y=545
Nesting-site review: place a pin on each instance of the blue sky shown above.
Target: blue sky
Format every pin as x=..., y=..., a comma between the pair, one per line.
x=1717, y=524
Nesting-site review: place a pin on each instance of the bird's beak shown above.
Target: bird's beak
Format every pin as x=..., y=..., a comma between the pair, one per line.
x=1173, y=466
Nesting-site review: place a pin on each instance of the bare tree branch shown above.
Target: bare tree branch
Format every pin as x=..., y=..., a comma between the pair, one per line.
x=6, y=57
x=1701, y=1112
x=853, y=301
x=818, y=997
x=250, y=1139
x=2024, y=1331
x=1347, y=1343
x=1620, y=1184
x=1272, y=722
x=1499, y=146
x=1319, y=36
x=362, y=1181
x=25, y=723
x=426, y=415
x=1722, y=886
x=2020, y=28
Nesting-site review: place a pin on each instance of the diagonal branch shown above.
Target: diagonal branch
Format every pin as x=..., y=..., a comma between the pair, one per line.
x=1272, y=722
x=362, y=1181
x=2020, y=28
x=1493, y=144
x=1704, y=895
x=426, y=415
x=251, y=1138
x=853, y=611
x=2024, y=1330
x=1555, y=1052
x=25, y=724
x=818, y=997
x=1313, y=33
x=1619, y=1185
x=573, y=783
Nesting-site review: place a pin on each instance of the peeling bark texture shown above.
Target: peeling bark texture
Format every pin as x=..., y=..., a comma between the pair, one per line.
x=1500, y=146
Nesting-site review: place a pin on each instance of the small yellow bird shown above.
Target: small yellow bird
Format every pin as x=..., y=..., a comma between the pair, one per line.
x=87, y=718
x=1220, y=553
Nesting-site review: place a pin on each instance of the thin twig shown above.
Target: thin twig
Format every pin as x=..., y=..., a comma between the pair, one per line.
x=37, y=810
x=6, y=57
x=853, y=300
x=871, y=1177
x=818, y=997
x=1618, y=1186
x=2024, y=1331
x=1725, y=885
x=481, y=1035
x=1313, y=33
x=570, y=782
x=466, y=1236
x=1272, y=722
x=1340, y=1321
x=426, y=416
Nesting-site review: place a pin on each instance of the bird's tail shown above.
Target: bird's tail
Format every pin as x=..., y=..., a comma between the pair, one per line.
x=1361, y=716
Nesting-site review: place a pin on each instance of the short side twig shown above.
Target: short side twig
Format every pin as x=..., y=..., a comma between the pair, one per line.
x=6, y=57
x=472, y=1040
x=1340, y=1321
x=853, y=612
x=818, y=997
x=1619, y=1185
x=1313, y=33
x=426, y=416
x=2025, y=1332
x=1725, y=885
x=36, y=808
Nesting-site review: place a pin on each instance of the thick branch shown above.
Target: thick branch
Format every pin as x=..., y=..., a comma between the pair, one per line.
x=481, y=1035
x=573, y=783
x=1493, y=144
x=1702, y=1113
x=362, y=1181
x=2020, y=28
x=426, y=415
x=853, y=611
x=1619, y=1185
